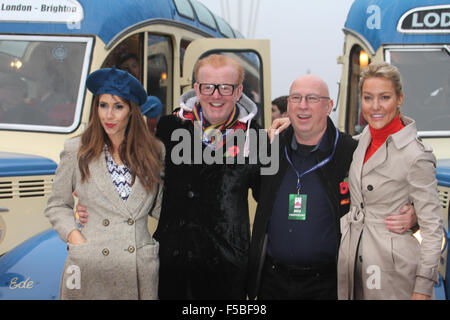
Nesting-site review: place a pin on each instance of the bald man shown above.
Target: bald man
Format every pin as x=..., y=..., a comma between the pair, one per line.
x=296, y=232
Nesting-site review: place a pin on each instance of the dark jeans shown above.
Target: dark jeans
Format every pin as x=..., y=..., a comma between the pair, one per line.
x=289, y=282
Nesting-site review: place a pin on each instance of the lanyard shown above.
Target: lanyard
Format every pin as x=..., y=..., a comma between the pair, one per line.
x=317, y=166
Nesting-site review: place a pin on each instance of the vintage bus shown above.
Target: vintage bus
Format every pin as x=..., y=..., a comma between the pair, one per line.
x=47, y=48
x=414, y=36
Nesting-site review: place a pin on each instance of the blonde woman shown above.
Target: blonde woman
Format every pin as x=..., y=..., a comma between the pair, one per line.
x=115, y=167
x=391, y=167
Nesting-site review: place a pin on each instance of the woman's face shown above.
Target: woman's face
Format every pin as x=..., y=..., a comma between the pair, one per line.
x=380, y=103
x=114, y=114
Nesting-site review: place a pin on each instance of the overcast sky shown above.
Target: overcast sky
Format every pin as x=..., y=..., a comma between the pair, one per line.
x=305, y=36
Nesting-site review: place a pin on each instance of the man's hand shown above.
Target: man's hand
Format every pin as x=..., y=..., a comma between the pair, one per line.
x=277, y=126
x=402, y=222
x=82, y=214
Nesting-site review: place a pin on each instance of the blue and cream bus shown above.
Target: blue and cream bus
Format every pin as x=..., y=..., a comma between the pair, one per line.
x=413, y=35
x=47, y=48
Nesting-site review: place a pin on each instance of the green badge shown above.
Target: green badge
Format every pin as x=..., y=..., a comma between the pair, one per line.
x=297, y=207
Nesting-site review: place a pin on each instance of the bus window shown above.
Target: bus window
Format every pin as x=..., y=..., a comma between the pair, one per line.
x=426, y=83
x=39, y=82
x=127, y=56
x=160, y=70
x=354, y=120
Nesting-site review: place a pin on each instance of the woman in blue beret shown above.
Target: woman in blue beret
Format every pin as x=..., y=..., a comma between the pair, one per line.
x=115, y=167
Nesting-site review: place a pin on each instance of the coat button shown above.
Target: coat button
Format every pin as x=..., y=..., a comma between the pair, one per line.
x=370, y=187
x=130, y=221
x=190, y=194
x=106, y=222
x=105, y=252
x=130, y=249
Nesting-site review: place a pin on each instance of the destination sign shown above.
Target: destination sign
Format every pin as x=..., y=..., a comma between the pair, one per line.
x=53, y=11
x=434, y=19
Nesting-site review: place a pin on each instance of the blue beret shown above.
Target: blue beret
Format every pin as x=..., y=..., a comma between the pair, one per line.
x=116, y=82
x=152, y=107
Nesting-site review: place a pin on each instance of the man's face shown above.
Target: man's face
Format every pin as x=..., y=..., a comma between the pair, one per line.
x=309, y=120
x=216, y=107
x=132, y=66
x=275, y=112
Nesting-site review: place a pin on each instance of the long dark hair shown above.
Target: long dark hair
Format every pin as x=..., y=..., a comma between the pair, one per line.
x=140, y=151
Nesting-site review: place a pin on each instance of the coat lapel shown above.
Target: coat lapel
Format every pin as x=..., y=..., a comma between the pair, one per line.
x=358, y=158
x=378, y=158
x=137, y=198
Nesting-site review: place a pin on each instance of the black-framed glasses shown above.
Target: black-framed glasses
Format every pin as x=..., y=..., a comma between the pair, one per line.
x=309, y=98
x=224, y=89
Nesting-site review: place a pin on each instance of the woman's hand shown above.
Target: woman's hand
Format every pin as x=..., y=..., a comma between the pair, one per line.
x=75, y=237
x=419, y=296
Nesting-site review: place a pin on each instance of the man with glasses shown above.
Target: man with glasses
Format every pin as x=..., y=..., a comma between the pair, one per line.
x=204, y=230
x=296, y=231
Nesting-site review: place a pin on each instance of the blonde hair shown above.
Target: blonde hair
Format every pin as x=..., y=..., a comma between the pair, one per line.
x=217, y=61
x=382, y=70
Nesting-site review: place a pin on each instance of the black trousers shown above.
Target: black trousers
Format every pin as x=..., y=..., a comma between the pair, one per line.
x=290, y=282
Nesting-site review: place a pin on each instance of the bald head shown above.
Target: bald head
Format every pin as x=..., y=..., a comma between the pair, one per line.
x=311, y=80
x=309, y=118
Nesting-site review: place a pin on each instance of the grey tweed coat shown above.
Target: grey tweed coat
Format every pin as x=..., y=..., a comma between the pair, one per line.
x=120, y=258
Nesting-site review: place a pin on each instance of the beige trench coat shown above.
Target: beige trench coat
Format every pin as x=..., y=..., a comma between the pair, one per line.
x=392, y=266
x=120, y=258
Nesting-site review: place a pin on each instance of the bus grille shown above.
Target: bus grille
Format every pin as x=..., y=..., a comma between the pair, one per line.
x=22, y=188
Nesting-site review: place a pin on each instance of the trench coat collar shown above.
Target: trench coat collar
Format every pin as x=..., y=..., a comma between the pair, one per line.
x=407, y=134
x=100, y=175
x=399, y=139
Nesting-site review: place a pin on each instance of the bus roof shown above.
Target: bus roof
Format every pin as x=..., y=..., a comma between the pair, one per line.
x=105, y=18
x=380, y=22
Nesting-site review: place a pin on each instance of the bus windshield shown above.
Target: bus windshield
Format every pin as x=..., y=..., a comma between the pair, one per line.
x=426, y=81
x=40, y=81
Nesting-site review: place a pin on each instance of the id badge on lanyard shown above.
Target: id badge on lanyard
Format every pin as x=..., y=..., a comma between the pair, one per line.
x=297, y=207
x=298, y=201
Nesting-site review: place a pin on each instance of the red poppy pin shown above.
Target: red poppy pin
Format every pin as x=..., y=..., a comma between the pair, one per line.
x=344, y=187
x=232, y=151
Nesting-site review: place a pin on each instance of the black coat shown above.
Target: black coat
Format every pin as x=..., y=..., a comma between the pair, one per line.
x=331, y=175
x=203, y=229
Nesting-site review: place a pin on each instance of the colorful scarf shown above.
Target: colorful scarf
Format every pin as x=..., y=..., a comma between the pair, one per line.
x=208, y=130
